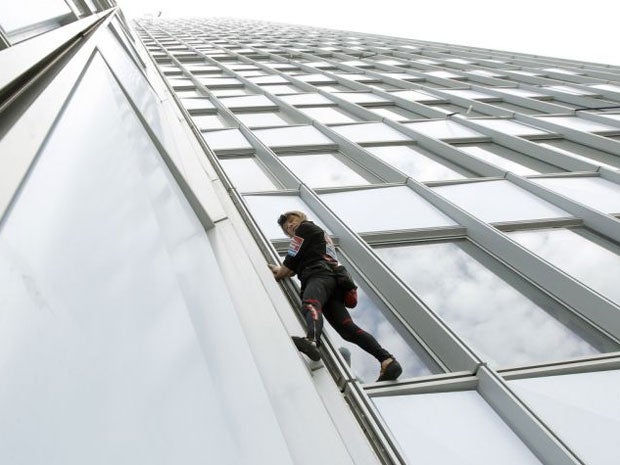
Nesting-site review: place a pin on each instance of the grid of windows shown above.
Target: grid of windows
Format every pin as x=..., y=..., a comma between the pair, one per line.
x=474, y=194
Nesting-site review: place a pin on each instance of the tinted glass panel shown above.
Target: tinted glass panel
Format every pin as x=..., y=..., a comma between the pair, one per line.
x=583, y=409
x=506, y=321
x=499, y=201
x=323, y=170
x=446, y=428
x=247, y=175
x=418, y=163
x=595, y=192
x=388, y=208
x=589, y=258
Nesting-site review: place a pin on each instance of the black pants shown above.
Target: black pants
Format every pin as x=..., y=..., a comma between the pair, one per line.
x=321, y=296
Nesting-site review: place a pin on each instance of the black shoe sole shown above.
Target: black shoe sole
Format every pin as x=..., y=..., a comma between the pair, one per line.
x=392, y=372
x=307, y=348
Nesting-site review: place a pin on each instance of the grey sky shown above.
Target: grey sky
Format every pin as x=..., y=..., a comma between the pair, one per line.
x=581, y=31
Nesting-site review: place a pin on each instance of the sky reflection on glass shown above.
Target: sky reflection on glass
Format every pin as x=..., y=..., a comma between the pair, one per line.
x=415, y=162
x=500, y=323
x=574, y=252
x=445, y=428
x=322, y=170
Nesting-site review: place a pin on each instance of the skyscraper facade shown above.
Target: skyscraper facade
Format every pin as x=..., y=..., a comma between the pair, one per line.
x=473, y=194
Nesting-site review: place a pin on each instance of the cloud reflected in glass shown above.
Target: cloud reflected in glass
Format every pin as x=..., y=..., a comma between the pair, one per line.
x=503, y=325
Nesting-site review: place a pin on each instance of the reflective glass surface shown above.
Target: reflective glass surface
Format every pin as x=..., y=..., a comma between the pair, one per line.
x=329, y=115
x=306, y=99
x=396, y=113
x=226, y=139
x=247, y=175
x=507, y=159
x=583, y=152
x=209, y=121
x=418, y=163
x=107, y=284
x=247, y=101
x=445, y=129
x=499, y=201
x=262, y=119
x=360, y=97
x=267, y=208
x=446, y=428
x=370, y=132
x=582, y=408
x=595, y=192
x=281, y=89
x=581, y=124
x=388, y=208
x=31, y=12
x=293, y=136
x=271, y=79
x=416, y=96
x=468, y=93
x=508, y=126
x=506, y=321
x=587, y=257
x=323, y=170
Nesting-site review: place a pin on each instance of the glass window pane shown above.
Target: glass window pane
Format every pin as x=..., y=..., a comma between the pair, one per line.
x=266, y=209
x=281, y=89
x=271, y=79
x=588, y=258
x=583, y=152
x=247, y=175
x=505, y=320
x=226, y=140
x=323, y=170
x=370, y=132
x=522, y=92
x=499, y=201
x=581, y=124
x=108, y=281
x=329, y=115
x=306, y=99
x=418, y=163
x=446, y=428
x=385, y=209
x=314, y=78
x=262, y=119
x=210, y=122
x=582, y=408
x=360, y=97
x=195, y=105
x=189, y=94
x=445, y=130
x=444, y=74
x=396, y=113
x=215, y=82
x=28, y=13
x=416, y=96
x=511, y=127
x=611, y=87
x=595, y=192
x=248, y=101
x=293, y=136
x=232, y=93
x=470, y=94
x=507, y=159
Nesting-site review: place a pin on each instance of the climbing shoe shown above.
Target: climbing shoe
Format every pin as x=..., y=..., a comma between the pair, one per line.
x=391, y=372
x=308, y=347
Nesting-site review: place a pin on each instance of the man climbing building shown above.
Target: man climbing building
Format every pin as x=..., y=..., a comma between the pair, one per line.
x=325, y=289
